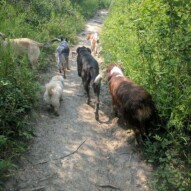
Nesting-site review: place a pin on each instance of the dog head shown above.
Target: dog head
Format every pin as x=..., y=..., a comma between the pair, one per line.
x=89, y=36
x=83, y=49
x=58, y=77
x=93, y=37
x=61, y=38
x=96, y=37
x=114, y=70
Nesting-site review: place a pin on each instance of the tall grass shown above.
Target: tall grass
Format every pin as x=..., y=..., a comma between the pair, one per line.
x=19, y=90
x=41, y=21
x=152, y=41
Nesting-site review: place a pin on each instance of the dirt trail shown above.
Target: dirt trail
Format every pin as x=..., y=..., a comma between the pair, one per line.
x=73, y=152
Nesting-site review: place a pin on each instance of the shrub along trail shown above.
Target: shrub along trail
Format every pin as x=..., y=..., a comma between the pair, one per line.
x=73, y=152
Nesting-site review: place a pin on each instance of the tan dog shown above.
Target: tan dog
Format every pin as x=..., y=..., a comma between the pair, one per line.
x=26, y=46
x=94, y=39
x=53, y=93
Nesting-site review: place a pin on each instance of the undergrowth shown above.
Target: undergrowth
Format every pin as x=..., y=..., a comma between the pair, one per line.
x=41, y=21
x=152, y=40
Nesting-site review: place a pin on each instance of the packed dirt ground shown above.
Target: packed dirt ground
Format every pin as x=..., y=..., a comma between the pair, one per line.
x=74, y=152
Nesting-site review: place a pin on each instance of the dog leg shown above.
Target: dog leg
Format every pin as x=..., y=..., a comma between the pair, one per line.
x=56, y=112
x=138, y=136
x=33, y=55
x=67, y=63
x=56, y=107
x=97, y=109
x=88, y=99
x=64, y=72
x=93, y=47
x=114, y=108
x=86, y=87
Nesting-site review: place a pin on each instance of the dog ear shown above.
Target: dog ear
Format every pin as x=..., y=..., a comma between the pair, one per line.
x=121, y=67
x=66, y=39
x=89, y=50
x=88, y=36
x=61, y=38
x=78, y=49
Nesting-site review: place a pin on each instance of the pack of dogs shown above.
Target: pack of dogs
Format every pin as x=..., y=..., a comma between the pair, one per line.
x=129, y=100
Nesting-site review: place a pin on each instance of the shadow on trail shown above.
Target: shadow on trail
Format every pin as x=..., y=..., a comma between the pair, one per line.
x=74, y=152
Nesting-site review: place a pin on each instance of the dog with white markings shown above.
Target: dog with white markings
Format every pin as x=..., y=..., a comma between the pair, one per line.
x=53, y=93
x=94, y=39
x=132, y=101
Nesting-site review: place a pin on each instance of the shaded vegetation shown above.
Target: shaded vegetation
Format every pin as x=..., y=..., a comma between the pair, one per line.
x=152, y=40
x=42, y=21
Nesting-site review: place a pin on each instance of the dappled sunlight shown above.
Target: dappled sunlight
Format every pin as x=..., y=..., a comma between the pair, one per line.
x=75, y=152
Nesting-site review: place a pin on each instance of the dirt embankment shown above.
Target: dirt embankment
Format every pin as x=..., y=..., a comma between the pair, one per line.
x=73, y=152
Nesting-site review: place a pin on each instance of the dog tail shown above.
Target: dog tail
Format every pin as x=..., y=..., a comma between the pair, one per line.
x=51, y=42
x=98, y=79
x=97, y=83
x=46, y=44
x=50, y=89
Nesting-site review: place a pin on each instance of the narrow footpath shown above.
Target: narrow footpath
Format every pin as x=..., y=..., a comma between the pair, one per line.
x=73, y=152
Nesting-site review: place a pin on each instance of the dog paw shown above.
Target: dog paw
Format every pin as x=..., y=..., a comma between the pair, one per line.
x=56, y=114
x=97, y=117
x=88, y=101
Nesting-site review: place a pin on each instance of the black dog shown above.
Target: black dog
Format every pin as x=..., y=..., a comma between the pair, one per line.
x=88, y=70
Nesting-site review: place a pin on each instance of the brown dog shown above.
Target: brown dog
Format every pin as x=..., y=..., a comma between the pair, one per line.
x=94, y=39
x=26, y=46
x=131, y=100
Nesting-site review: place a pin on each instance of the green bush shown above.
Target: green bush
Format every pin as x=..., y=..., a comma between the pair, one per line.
x=42, y=21
x=152, y=41
x=89, y=8
x=104, y=4
x=19, y=91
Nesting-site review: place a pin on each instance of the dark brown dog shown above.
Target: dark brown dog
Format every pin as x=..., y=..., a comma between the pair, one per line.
x=134, y=103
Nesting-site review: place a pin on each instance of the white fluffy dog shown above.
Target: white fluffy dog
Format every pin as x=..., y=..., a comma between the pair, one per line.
x=53, y=93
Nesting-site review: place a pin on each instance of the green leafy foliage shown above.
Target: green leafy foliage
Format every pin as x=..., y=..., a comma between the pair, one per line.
x=88, y=8
x=151, y=39
x=19, y=91
x=41, y=21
